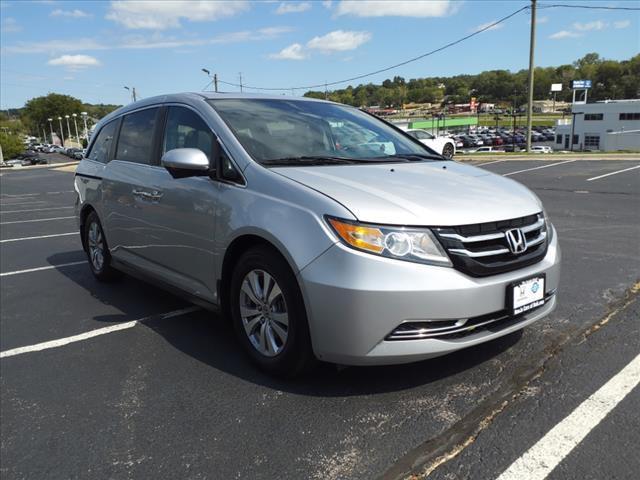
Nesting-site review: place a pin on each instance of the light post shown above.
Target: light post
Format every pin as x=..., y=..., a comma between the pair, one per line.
x=86, y=132
x=75, y=123
x=61, y=130
x=133, y=92
x=215, y=79
x=573, y=127
x=68, y=127
x=51, y=128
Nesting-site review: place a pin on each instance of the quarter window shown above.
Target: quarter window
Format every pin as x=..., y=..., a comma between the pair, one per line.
x=135, y=143
x=185, y=129
x=101, y=147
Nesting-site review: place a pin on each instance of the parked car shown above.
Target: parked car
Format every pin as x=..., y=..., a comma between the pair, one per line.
x=484, y=150
x=442, y=145
x=58, y=149
x=541, y=149
x=511, y=148
x=285, y=214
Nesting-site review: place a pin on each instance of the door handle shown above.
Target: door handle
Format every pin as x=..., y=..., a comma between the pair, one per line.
x=153, y=196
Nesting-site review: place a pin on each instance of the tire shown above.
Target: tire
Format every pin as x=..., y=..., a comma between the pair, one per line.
x=447, y=150
x=97, y=250
x=272, y=327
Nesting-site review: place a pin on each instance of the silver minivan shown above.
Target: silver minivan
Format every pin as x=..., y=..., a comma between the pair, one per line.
x=320, y=231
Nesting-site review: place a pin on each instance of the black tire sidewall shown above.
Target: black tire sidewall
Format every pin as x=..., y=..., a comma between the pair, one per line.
x=296, y=354
x=106, y=272
x=447, y=146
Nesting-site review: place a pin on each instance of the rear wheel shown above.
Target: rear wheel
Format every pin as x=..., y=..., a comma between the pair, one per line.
x=268, y=313
x=97, y=250
x=447, y=150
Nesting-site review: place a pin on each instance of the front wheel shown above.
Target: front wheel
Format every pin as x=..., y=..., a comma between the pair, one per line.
x=447, y=150
x=268, y=313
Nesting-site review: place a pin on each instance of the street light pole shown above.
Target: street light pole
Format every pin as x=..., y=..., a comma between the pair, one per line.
x=75, y=123
x=68, y=127
x=215, y=79
x=532, y=47
x=86, y=132
x=51, y=128
x=61, y=130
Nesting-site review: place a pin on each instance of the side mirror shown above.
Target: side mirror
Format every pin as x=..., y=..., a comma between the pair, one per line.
x=183, y=162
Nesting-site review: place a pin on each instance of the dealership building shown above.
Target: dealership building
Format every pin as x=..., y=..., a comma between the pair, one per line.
x=609, y=125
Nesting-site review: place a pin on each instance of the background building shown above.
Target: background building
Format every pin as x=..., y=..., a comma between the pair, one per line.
x=608, y=126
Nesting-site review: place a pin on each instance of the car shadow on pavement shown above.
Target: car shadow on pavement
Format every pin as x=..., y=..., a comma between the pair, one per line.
x=209, y=338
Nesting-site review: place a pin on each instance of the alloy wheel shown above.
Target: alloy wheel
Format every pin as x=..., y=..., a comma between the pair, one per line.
x=264, y=313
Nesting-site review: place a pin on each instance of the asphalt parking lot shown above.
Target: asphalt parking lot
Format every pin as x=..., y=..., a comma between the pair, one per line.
x=132, y=382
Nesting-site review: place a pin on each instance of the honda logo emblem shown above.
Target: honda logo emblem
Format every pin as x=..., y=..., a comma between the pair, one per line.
x=516, y=240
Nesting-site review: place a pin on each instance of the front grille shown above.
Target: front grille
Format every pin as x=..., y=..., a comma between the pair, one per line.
x=481, y=249
x=452, y=329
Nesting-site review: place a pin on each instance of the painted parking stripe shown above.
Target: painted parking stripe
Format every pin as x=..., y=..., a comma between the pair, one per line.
x=5, y=204
x=21, y=195
x=545, y=455
x=612, y=173
x=93, y=333
x=35, y=209
x=481, y=163
x=39, y=269
x=35, y=220
x=538, y=168
x=38, y=237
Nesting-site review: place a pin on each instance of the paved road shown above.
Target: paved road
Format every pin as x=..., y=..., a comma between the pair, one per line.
x=175, y=397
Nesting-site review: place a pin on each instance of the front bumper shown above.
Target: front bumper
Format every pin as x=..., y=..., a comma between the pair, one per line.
x=355, y=300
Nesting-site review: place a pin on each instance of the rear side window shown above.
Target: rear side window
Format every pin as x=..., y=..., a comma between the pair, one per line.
x=135, y=143
x=185, y=129
x=101, y=147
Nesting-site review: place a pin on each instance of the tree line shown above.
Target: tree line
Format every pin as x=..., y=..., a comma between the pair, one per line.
x=611, y=79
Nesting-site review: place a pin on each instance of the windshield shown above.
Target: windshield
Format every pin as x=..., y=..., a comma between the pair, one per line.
x=282, y=132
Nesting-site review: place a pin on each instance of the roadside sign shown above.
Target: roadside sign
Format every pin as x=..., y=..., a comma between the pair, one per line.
x=556, y=87
x=580, y=84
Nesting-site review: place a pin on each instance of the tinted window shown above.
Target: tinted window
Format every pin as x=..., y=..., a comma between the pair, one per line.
x=101, y=147
x=228, y=170
x=282, y=131
x=135, y=143
x=185, y=129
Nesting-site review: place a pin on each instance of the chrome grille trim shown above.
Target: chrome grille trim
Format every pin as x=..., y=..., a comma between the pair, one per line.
x=493, y=236
x=488, y=253
x=459, y=328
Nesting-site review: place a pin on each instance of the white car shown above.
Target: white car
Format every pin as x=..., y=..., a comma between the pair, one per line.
x=541, y=149
x=445, y=146
x=483, y=150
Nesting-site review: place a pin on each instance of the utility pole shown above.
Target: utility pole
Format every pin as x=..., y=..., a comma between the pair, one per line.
x=326, y=95
x=134, y=94
x=240, y=81
x=215, y=82
x=532, y=47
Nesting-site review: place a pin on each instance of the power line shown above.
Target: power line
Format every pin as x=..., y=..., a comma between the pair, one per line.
x=411, y=60
x=588, y=7
x=420, y=57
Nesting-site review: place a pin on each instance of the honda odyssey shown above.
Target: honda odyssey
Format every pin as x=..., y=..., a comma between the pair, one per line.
x=320, y=231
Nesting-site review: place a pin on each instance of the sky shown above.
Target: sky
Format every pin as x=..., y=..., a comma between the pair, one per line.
x=93, y=49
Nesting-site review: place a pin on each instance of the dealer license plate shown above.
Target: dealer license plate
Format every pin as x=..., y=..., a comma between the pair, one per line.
x=526, y=295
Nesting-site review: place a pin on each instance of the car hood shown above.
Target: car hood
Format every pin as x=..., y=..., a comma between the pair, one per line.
x=426, y=193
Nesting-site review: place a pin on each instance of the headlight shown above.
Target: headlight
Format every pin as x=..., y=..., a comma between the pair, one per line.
x=548, y=227
x=414, y=245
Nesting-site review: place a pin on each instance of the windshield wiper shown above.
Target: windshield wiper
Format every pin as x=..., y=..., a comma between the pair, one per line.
x=415, y=157
x=308, y=160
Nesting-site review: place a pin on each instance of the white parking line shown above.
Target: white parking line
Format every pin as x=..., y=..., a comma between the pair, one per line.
x=20, y=195
x=35, y=209
x=39, y=237
x=538, y=168
x=5, y=204
x=612, y=173
x=481, y=163
x=39, y=269
x=93, y=333
x=35, y=220
x=545, y=455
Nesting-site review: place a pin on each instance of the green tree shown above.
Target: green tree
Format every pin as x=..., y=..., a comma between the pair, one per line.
x=11, y=145
x=38, y=110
